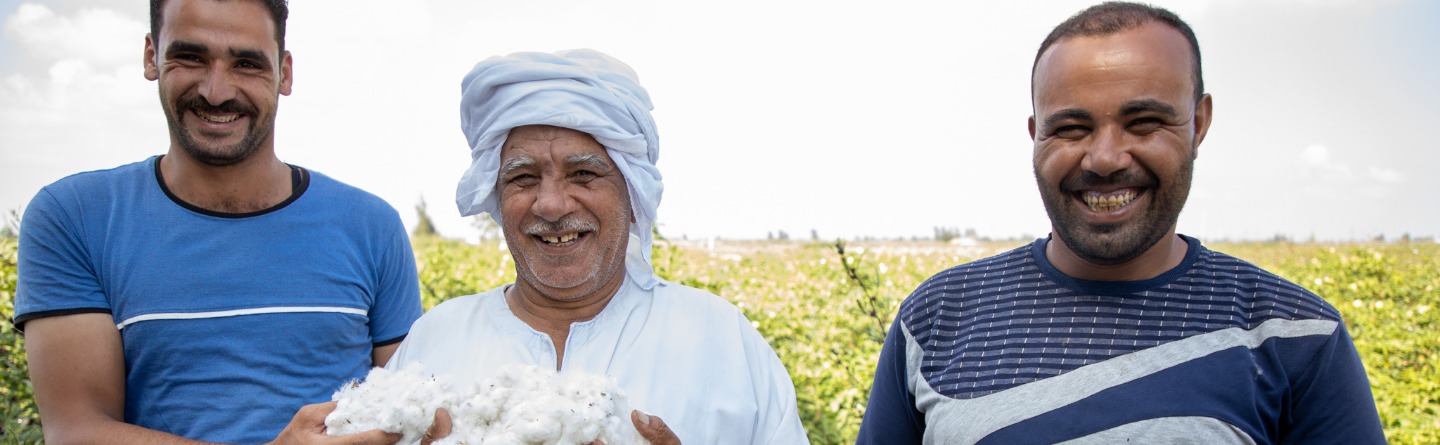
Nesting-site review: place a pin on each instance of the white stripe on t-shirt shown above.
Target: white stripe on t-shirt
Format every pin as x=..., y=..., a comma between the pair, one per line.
x=238, y=312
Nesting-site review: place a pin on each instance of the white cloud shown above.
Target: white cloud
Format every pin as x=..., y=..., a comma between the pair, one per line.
x=98, y=35
x=1322, y=175
x=1316, y=158
x=1316, y=154
x=1386, y=175
x=76, y=99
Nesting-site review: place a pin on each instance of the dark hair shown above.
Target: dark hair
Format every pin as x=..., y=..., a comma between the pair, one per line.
x=279, y=11
x=1112, y=17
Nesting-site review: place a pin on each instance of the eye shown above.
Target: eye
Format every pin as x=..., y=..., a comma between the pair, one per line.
x=1071, y=132
x=1145, y=125
x=523, y=180
x=583, y=176
x=190, y=59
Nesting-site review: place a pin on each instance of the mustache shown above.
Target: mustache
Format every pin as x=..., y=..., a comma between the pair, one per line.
x=197, y=103
x=1125, y=178
x=564, y=225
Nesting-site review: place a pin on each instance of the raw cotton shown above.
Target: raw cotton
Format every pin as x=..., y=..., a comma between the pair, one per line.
x=401, y=401
x=520, y=405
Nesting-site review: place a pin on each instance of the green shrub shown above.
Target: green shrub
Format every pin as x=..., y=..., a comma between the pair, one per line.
x=1388, y=295
x=827, y=325
x=17, y=398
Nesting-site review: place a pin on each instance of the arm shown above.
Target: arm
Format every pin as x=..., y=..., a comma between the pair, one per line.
x=381, y=354
x=778, y=419
x=397, y=297
x=78, y=369
x=1331, y=401
x=890, y=415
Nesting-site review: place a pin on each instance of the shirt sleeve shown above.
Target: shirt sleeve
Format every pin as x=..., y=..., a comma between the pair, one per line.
x=55, y=273
x=1331, y=401
x=890, y=415
x=778, y=418
x=397, y=298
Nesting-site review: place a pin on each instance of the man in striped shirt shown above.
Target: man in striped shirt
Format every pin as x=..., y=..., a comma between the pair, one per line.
x=1116, y=329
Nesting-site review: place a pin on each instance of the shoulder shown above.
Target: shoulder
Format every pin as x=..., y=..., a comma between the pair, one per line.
x=1215, y=271
x=956, y=284
x=333, y=192
x=98, y=184
x=685, y=308
x=93, y=197
x=693, y=301
x=463, y=309
x=356, y=210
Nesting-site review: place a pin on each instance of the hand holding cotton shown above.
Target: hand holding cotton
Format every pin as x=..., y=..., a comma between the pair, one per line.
x=401, y=401
x=520, y=405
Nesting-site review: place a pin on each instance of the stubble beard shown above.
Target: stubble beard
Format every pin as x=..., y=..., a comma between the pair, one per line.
x=1112, y=244
x=590, y=281
x=260, y=130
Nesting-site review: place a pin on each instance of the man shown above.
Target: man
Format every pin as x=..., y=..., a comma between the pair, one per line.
x=564, y=152
x=209, y=293
x=1115, y=329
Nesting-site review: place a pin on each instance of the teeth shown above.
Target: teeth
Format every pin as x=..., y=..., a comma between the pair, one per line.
x=560, y=239
x=218, y=119
x=1108, y=203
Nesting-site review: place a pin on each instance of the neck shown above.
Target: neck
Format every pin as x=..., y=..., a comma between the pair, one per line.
x=554, y=317
x=1158, y=259
x=255, y=184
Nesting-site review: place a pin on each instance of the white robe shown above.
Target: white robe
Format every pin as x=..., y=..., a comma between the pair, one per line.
x=679, y=353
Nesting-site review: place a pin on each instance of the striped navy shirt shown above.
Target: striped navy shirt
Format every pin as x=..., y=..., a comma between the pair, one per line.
x=1009, y=350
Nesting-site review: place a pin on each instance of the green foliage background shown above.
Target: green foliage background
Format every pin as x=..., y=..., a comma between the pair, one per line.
x=827, y=326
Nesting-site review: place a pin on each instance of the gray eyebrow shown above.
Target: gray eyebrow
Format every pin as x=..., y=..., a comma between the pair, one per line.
x=516, y=163
x=590, y=160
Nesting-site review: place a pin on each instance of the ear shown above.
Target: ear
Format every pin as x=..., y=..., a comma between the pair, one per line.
x=152, y=70
x=1204, y=113
x=286, y=71
x=1032, y=127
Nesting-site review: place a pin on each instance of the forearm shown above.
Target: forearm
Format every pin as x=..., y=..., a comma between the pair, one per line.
x=109, y=431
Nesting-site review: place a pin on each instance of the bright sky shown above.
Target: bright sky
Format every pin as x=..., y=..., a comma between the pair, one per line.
x=847, y=118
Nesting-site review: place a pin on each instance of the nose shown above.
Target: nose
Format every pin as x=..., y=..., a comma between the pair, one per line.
x=553, y=200
x=217, y=86
x=1107, y=153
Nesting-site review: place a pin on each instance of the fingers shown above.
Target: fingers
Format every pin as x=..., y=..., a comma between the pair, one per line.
x=653, y=429
x=372, y=437
x=313, y=415
x=308, y=426
x=439, y=428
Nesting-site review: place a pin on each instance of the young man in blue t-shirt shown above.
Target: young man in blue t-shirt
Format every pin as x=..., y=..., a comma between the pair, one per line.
x=210, y=293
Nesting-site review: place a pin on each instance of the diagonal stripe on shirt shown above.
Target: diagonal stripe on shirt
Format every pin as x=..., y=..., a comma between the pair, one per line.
x=1017, y=404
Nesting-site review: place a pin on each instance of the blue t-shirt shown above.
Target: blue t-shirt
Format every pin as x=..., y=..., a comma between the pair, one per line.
x=230, y=322
x=1009, y=350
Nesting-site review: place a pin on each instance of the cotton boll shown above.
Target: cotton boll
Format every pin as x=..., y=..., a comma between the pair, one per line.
x=540, y=418
x=605, y=407
x=518, y=405
x=394, y=401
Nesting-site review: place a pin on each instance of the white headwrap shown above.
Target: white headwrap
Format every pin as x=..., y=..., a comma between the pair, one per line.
x=580, y=89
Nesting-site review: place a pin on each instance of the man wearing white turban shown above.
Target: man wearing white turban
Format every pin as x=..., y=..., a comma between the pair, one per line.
x=564, y=149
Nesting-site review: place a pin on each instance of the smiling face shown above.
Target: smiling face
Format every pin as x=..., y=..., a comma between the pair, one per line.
x=221, y=73
x=1116, y=131
x=566, y=213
